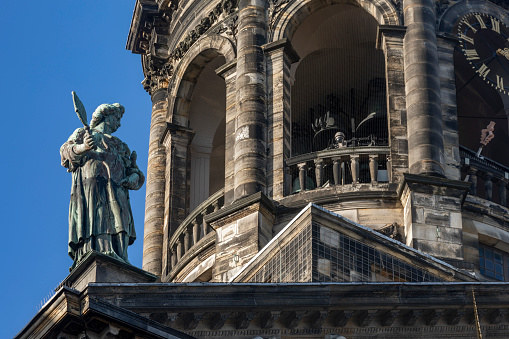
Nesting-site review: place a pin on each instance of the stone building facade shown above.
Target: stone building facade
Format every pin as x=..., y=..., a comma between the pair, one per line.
x=314, y=171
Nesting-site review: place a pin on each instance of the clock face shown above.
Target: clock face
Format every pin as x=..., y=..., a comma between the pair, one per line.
x=485, y=44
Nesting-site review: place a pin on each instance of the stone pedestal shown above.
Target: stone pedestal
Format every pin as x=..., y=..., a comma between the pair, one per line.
x=432, y=214
x=100, y=268
x=242, y=229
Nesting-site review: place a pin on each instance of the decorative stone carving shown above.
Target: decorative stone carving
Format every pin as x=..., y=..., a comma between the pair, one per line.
x=392, y=231
x=275, y=6
x=440, y=7
x=157, y=73
x=225, y=8
x=228, y=27
x=103, y=171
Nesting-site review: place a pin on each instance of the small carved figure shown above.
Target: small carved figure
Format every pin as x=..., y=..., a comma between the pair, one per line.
x=487, y=133
x=486, y=136
x=339, y=140
x=103, y=171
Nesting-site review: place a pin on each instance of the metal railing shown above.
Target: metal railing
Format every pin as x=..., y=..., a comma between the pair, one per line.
x=194, y=229
x=340, y=166
x=483, y=173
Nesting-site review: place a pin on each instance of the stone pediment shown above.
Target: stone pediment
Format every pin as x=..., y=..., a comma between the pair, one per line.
x=321, y=246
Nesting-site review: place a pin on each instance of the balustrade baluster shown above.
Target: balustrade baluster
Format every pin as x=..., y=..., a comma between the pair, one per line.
x=488, y=186
x=216, y=205
x=186, y=240
x=502, y=191
x=336, y=170
x=319, y=172
x=472, y=178
x=373, y=168
x=196, y=232
x=354, y=166
x=204, y=224
x=179, y=249
x=302, y=176
x=173, y=257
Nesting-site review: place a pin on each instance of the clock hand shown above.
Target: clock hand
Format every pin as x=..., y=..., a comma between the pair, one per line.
x=503, y=52
x=487, y=60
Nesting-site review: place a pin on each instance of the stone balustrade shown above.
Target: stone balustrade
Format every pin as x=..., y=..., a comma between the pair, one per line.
x=341, y=166
x=488, y=178
x=194, y=228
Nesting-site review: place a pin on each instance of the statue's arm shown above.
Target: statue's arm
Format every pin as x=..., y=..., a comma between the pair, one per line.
x=72, y=151
x=135, y=177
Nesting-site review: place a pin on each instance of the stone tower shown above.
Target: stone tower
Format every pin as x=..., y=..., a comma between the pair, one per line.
x=315, y=169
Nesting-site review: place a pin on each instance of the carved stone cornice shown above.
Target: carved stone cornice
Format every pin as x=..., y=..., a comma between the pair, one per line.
x=149, y=28
x=223, y=10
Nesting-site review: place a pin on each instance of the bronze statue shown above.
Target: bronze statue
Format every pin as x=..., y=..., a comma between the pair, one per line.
x=103, y=171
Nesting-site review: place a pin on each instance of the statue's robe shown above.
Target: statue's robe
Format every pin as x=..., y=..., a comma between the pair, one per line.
x=100, y=216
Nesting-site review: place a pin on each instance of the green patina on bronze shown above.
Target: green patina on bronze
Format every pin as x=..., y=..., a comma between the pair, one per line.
x=103, y=171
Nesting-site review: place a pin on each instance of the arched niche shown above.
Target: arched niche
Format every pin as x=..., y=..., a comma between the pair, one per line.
x=340, y=79
x=286, y=22
x=207, y=119
x=198, y=101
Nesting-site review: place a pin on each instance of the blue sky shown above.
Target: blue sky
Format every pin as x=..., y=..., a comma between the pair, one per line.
x=49, y=49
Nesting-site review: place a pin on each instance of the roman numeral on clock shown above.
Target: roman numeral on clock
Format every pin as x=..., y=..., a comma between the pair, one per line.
x=467, y=38
x=483, y=71
x=495, y=25
x=500, y=82
x=469, y=25
x=481, y=21
x=471, y=54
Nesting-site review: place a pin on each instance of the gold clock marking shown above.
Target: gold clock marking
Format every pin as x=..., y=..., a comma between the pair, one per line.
x=495, y=25
x=467, y=38
x=471, y=54
x=481, y=21
x=500, y=82
x=483, y=71
x=469, y=25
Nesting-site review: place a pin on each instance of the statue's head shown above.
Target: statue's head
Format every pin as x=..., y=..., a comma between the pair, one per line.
x=105, y=110
x=339, y=137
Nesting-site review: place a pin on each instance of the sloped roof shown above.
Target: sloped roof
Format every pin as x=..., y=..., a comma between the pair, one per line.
x=362, y=233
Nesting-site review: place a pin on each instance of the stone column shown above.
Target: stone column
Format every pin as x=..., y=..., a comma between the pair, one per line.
x=154, y=202
x=446, y=47
x=422, y=87
x=177, y=140
x=228, y=73
x=251, y=120
x=280, y=56
x=392, y=44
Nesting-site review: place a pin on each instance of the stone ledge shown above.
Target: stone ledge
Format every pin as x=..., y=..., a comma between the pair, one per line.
x=241, y=204
x=98, y=267
x=433, y=185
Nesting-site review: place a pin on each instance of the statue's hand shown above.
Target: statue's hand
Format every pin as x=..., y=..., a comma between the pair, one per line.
x=131, y=182
x=88, y=144
x=89, y=141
